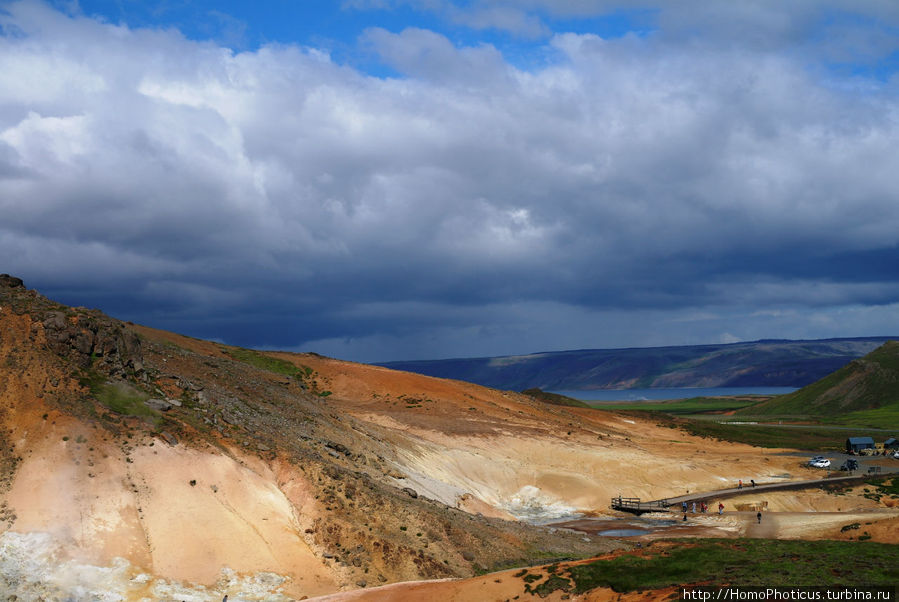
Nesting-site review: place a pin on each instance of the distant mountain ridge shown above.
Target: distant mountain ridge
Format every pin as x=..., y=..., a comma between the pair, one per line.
x=763, y=363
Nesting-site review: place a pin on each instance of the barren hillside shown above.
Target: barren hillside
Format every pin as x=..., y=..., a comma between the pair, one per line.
x=154, y=465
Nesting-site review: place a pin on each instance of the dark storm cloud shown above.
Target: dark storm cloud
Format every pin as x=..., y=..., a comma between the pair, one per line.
x=640, y=190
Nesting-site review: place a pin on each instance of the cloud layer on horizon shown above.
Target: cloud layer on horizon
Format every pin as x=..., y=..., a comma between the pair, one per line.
x=640, y=190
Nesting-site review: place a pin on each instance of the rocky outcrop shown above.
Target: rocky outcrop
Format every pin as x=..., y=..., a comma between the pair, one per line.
x=11, y=281
x=95, y=341
x=86, y=337
x=160, y=405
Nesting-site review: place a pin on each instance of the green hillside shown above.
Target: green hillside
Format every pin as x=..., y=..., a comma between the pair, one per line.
x=864, y=392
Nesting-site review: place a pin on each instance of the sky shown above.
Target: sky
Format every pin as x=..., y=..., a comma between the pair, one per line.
x=381, y=180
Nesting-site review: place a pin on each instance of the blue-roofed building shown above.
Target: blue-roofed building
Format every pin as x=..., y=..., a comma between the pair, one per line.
x=891, y=443
x=856, y=444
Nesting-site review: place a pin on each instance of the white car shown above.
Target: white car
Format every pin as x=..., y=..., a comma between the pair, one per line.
x=896, y=454
x=819, y=463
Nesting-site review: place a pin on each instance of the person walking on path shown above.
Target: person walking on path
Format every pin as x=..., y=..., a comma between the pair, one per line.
x=740, y=486
x=720, y=508
x=752, y=482
x=694, y=507
x=759, y=516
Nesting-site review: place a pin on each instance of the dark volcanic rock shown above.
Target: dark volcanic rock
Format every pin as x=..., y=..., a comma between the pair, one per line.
x=55, y=321
x=338, y=447
x=88, y=339
x=83, y=342
x=11, y=281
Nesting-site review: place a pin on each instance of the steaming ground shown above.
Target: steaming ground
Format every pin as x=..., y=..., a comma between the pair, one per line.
x=150, y=520
x=36, y=566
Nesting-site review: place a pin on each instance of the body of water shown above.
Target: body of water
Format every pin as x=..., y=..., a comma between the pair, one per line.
x=665, y=394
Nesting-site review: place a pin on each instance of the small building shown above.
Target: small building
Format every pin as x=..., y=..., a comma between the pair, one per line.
x=891, y=443
x=856, y=444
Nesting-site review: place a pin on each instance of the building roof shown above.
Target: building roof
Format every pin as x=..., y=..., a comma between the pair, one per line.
x=861, y=440
x=890, y=441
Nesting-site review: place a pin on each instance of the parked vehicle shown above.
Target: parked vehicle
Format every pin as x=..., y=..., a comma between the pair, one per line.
x=850, y=464
x=819, y=463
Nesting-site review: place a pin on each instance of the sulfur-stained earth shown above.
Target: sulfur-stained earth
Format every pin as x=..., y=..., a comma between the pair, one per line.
x=148, y=465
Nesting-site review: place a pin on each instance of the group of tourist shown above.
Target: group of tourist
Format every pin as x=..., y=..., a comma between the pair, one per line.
x=703, y=508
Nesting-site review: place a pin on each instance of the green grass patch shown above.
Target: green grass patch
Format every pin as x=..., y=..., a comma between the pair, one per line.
x=890, y=487
x=264, y=362
x=882, y=488
x=744, y=562
x=885, y=417
x=260, y=360
x=554, y=583
x=120, y=397
x=762, y=435
x=678, y=407
x=124, y=399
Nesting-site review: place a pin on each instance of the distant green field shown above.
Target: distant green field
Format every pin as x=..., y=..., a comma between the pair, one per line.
x=795, y=437
x=680, y=407
x=885, y=417
x=790, y=436
x=702, y=416
x=880, y=418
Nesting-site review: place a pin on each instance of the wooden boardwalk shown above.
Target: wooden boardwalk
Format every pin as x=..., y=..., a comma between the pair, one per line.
x=635, y=505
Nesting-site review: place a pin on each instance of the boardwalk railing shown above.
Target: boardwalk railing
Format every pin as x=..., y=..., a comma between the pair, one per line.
x=633, y=504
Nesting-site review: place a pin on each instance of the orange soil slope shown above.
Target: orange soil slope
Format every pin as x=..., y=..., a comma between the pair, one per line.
x=179, y=512
x=457, y=439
